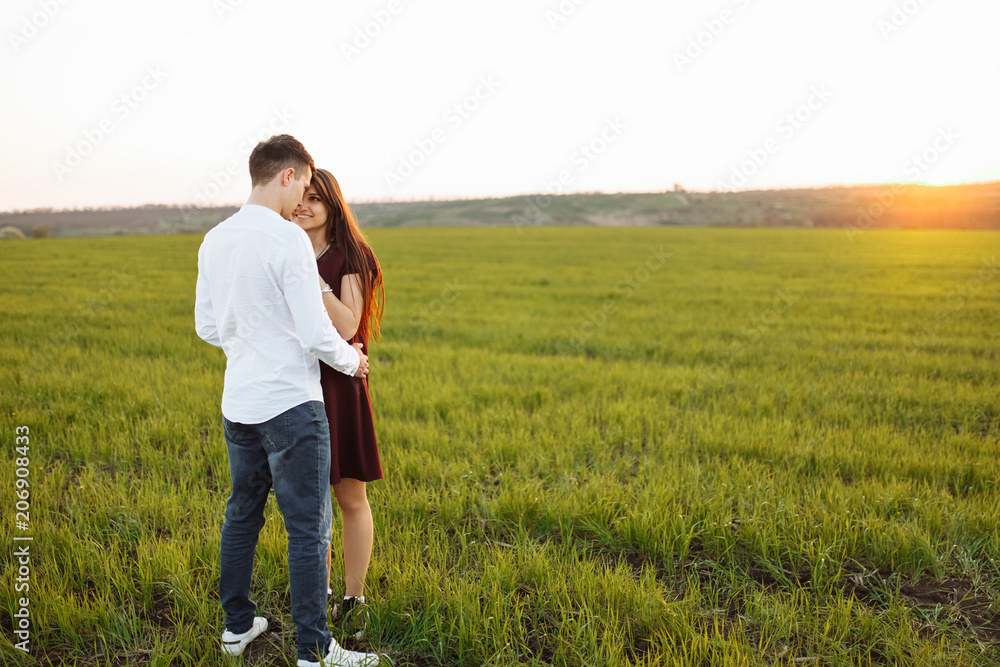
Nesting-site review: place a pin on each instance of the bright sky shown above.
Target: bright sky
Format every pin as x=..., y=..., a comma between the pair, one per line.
x=118, y=102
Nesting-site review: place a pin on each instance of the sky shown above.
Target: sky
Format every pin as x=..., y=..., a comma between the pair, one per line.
x=121, y=103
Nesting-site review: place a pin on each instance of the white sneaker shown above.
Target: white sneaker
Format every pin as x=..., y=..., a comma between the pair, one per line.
x=341, y=657
x=234, y=644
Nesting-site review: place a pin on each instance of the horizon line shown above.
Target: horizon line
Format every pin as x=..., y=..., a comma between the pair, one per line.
x=444, y=199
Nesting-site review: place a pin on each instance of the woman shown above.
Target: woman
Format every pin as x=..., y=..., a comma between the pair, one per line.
x=351, y=281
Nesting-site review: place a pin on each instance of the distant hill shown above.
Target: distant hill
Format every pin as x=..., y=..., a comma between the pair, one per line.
x=882, y=206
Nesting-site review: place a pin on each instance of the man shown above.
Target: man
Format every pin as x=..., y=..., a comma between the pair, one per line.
x=258, y=298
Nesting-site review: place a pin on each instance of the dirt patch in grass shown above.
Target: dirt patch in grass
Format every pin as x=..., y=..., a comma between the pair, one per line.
x=956, y=603
x=973, y=609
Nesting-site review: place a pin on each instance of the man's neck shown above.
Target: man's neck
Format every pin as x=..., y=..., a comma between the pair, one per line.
x=261, y=197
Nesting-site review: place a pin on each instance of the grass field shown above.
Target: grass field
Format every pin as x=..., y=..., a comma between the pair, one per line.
x=649, y=446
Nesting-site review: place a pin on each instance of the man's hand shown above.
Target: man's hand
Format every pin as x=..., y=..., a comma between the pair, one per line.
x=363, y=366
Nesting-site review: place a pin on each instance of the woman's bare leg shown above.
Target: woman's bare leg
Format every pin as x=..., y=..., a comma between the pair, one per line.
x=358, y=534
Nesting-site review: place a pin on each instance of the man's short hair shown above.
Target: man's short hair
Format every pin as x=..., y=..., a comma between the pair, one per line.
x=277, y=154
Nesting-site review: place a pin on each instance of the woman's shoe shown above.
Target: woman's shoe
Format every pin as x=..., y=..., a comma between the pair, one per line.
x=351, y=616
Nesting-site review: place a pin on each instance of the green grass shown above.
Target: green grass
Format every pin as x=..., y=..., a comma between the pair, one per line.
x=771, y=447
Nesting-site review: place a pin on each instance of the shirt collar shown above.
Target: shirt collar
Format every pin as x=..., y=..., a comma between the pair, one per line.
x=257, y=208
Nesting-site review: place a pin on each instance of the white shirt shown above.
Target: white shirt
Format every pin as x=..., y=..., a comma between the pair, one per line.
x=258, y=298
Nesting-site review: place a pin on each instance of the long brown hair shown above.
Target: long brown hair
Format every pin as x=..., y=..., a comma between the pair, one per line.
x=342, y=229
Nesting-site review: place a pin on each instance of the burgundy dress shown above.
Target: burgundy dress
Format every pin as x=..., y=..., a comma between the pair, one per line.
x=353, y=450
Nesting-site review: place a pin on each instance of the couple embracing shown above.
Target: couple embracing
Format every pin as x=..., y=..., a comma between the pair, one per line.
x=287, y=287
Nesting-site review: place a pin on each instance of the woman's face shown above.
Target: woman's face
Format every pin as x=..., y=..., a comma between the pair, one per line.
x=312, y=213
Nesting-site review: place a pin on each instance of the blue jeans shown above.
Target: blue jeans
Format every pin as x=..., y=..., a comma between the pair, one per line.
x=290, y=452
